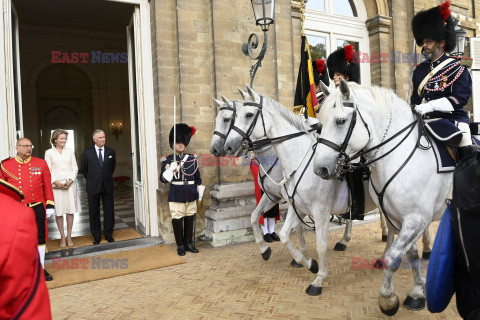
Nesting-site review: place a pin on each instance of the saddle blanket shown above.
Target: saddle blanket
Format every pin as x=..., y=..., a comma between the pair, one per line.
x=441, y=132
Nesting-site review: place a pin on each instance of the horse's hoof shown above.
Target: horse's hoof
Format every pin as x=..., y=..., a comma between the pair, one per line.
x=340, y=247
x=266, y=255
x=314, y=266
x=294, y=264
x=414, y=304
x=388, y=307
x=384, y=238
x=314, y=291
x=426, y=255
x=379, y=264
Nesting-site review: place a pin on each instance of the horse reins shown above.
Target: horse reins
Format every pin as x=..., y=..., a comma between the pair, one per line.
x=344, y=161
x=234, y=110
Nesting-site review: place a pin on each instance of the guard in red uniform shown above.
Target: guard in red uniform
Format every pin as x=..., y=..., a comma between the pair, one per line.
x=23, y=293
x=32, y=176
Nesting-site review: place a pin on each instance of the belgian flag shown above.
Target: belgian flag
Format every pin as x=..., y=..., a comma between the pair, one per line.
x=305, y=96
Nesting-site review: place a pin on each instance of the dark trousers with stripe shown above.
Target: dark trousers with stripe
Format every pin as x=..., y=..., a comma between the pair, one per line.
x=40, y=214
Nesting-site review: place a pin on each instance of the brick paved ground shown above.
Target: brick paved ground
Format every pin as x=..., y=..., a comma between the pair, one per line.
x=235, y=283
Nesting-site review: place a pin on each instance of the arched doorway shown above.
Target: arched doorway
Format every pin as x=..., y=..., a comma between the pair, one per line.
x=64, y=100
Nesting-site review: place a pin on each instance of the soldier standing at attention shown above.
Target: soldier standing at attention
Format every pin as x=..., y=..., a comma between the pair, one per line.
x=184, y=176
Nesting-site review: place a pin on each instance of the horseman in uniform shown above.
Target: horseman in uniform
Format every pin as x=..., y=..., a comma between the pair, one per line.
x=32, y=176
x=340, y=64
x=183, y=173
x=441, y=85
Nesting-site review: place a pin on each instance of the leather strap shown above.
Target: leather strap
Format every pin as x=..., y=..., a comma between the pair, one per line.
x=431, y=74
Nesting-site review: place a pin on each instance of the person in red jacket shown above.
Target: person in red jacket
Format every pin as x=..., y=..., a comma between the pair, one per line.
x=32, y=176
x=23, y=291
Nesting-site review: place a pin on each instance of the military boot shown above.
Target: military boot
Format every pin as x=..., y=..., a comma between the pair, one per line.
x=355, y=185
x=188, y=235
x=178, y=232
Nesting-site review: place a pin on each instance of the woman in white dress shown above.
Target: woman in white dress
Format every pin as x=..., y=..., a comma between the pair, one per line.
x=64, y=169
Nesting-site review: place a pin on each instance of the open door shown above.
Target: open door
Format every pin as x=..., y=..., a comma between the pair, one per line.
x=11, y=127
x=135, y=81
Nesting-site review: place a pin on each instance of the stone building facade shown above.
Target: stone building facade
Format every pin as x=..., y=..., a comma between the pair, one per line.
x=197, y=56
x=191, y=50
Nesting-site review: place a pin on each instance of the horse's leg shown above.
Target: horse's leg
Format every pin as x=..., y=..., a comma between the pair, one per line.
x=321, y=233
x=411, y=231
x=416, y=298
x=383, y=225
x=303, y=245
x=291, y=222
x=263, y=205
x=380, y=263
x=347, y=234
x=427, y=248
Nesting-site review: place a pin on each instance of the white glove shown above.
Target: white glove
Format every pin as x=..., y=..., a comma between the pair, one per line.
x=173, y=166
x=201, y=190
x=168, y=175
x=50, y=212
x=442, y=105
x=311, y=121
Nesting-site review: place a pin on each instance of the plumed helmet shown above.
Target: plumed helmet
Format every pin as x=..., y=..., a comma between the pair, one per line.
x=320, y=72
x=342, y=61
x=184, y=134
x=436, y=24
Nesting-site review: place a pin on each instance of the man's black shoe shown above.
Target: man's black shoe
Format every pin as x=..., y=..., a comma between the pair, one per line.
x=110, y=239
x=181, y=250
x=48, y=276
x=95, y=242
x=274, y=236
x=191, y=248
x=267, y=237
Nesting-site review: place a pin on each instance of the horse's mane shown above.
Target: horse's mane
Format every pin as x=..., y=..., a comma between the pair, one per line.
x=291, y=117
x=385, y=99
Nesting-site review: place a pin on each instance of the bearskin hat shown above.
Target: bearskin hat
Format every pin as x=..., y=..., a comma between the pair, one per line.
x=436, y=24
x=341, y=61
x=184, y=134
x=320, y=72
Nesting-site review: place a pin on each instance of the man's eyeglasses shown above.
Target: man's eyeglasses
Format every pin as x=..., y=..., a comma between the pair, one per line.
x=26, y=146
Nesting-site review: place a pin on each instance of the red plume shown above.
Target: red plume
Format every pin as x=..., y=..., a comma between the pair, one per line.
x=445, y=10
x=348, y=52
x=193, y=130
x=320, y=64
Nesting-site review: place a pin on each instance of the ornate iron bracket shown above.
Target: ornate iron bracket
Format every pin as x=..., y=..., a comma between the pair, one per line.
x=247, y=49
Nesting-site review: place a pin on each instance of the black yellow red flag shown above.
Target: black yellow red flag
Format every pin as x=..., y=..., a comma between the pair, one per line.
x=305, y=92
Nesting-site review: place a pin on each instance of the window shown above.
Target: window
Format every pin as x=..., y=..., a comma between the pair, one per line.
x=332, y=24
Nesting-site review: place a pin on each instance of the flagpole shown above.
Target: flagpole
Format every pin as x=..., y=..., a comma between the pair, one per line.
x=410, y=80
x=174, y=128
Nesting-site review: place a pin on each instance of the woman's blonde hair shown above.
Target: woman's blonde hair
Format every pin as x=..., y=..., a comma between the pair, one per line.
x=55, y=134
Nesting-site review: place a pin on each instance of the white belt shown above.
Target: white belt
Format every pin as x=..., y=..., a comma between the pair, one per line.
x=181, y=183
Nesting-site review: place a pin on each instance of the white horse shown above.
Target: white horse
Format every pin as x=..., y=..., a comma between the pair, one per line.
x=223, y=124
x=272, y=192
x=413, y=192
x=306, y=192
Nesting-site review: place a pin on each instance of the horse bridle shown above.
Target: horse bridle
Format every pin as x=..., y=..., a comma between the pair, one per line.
x=234, y=110
x=343, y=160
x=246, y=135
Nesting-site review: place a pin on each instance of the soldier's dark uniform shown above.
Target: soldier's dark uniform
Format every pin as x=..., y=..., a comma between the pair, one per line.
x=183, y=194
x=443, y=83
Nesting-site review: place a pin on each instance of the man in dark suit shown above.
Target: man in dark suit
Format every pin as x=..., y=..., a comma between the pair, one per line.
x=98, y=165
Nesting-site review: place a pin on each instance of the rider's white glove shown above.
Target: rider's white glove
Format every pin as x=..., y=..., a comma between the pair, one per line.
x=442, y=105
x=50, y=212
x=168, y=175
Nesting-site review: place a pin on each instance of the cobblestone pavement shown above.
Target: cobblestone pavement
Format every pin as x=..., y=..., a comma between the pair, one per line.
x=235, y=283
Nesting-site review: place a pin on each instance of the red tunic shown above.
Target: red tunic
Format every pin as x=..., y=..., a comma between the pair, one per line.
x=32, y=177
x=20, y=268
x=254, y=168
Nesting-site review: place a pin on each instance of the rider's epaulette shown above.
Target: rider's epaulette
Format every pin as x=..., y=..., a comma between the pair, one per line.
x=466, y=62
x=162, y=159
